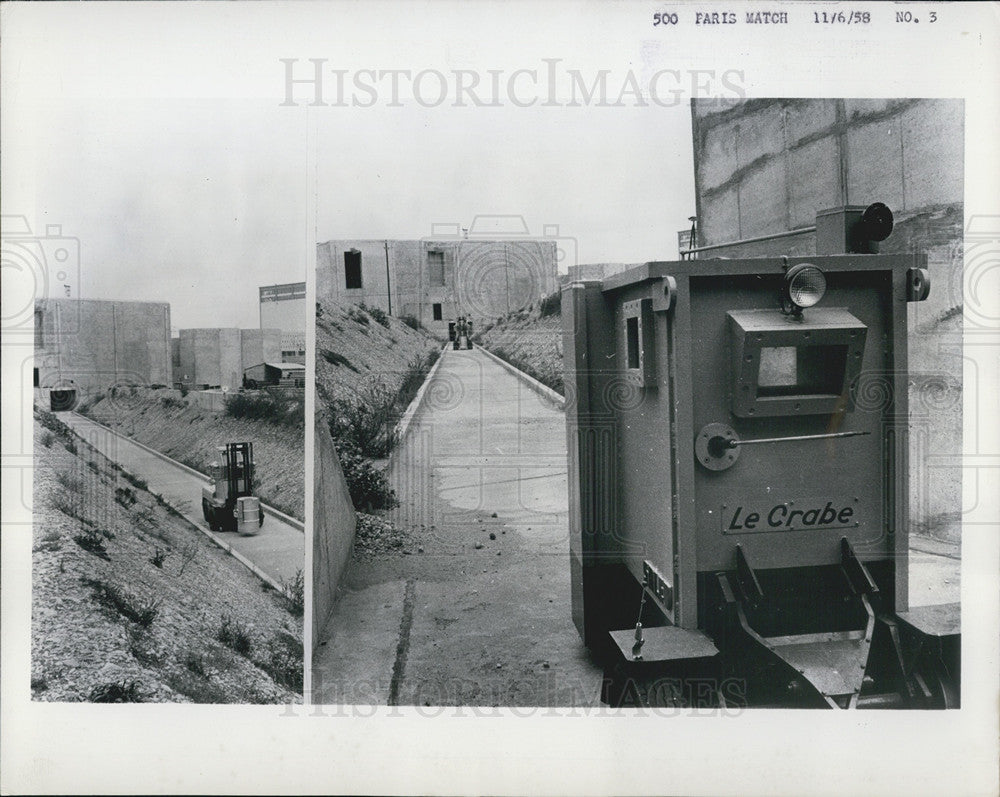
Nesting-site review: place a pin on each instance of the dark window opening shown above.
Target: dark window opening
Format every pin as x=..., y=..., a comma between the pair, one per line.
x=436, y=309
x=801, y=370
x=435, y=266
x=35, y=377
x=352, y=269
x=632, y=340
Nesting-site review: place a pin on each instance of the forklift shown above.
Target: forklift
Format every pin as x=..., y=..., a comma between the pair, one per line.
x=230, y=505
x=459, y=332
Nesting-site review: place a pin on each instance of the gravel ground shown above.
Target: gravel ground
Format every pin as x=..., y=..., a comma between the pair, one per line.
x=129, y=600
x=376, y=536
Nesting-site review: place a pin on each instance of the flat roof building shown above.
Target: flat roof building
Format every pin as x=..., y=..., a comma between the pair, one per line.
x=217, y=358
x=92, y=344
x=283, y=307
x=437, y=280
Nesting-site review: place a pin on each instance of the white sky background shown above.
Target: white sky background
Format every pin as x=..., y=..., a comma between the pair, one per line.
x=195, y=203
x=179, y=192
x=620, y=181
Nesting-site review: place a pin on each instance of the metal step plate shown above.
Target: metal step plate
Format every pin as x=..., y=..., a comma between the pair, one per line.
x=665, y=643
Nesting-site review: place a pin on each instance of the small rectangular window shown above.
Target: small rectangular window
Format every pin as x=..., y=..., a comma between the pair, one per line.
x=435, y=267
x=352, y=269
x=632, y=341
x=801, y=370
x=437, y=312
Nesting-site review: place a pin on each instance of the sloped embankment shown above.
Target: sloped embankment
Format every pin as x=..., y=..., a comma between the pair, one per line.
x=130, y=603
x=355, y=351
x=368, y=368
x=530, y=340
x=190, y=434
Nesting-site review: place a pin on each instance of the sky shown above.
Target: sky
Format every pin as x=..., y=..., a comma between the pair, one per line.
x=618, y=182
x=195, y=203
x=186, y=185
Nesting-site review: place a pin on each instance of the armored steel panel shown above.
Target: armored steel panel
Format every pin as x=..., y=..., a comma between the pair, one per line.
x=818, y=444
x=786, y=483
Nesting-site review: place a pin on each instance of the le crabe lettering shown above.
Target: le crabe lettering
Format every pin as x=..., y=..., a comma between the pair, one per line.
x=783, y=516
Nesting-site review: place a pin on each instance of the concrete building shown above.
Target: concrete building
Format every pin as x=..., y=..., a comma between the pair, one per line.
x=209, y=358
x=437, y=280
x=765, y=167
x=284, y=307
x=92, y=344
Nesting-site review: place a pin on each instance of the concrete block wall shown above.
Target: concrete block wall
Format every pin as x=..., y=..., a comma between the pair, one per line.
x=768, y=165
x=95, y=344
x=211, y=357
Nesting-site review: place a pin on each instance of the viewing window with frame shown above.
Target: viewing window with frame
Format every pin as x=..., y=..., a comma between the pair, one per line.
x=786, y=367
x=639, y=359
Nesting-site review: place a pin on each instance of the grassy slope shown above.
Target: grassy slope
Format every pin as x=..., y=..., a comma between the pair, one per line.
x=531, y=342
x=354, y=351
x=82, y=639
x=190, y=434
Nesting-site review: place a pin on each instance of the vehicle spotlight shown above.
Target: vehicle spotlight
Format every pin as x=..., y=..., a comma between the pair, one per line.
x=875, y=225
x=803, y=287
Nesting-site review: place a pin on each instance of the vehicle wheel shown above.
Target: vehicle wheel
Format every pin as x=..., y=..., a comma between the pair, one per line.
x=261, y=518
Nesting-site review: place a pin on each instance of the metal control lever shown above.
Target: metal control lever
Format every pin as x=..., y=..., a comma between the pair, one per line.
x=737, y=442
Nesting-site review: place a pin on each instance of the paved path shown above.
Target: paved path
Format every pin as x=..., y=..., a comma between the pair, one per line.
x=459, y=624
x=278, y=550
x=449, y=623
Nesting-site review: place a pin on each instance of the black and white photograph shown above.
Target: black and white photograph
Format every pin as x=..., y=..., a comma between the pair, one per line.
x=500, y=398
x=165, y=315
x=571, y=458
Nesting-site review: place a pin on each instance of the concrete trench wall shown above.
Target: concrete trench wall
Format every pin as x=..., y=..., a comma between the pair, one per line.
x=334, y=524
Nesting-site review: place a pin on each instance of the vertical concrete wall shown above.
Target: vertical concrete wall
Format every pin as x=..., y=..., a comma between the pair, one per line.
x=283, y=307
x=259, y=346
x=95, y=344
x=231, y=358
x=333, y=527
x=483, y=278
x=211, y=357
x=766, y=166
x=218, y=357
